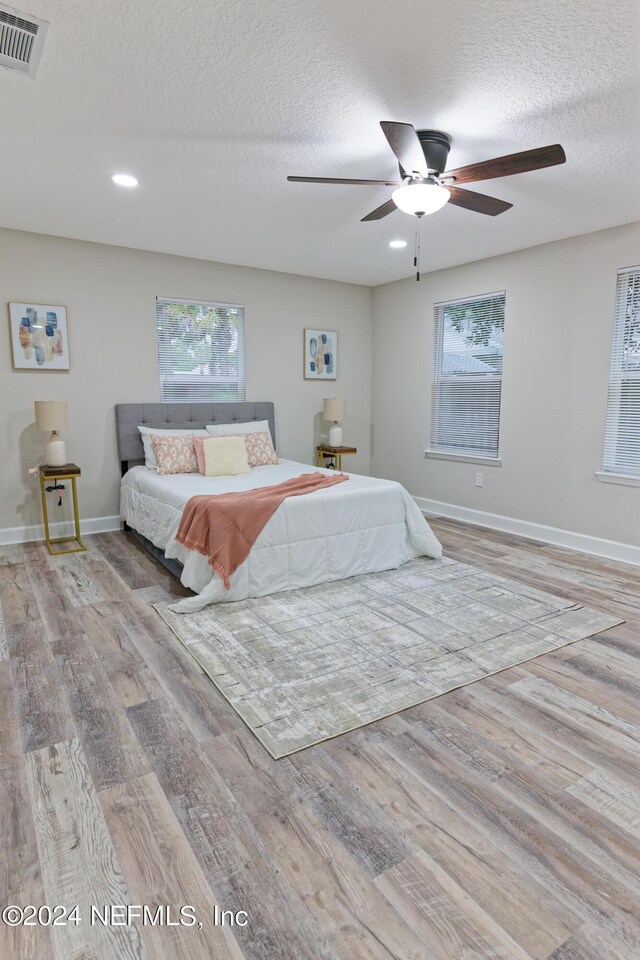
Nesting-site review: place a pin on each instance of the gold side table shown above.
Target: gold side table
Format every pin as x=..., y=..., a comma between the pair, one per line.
x=335, y=454
x=71, y=472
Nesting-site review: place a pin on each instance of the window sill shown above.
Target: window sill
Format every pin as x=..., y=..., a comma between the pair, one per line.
x=619, y=478
x=463, y=458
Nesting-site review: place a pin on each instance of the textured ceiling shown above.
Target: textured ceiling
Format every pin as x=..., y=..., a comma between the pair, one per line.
x=212, y=104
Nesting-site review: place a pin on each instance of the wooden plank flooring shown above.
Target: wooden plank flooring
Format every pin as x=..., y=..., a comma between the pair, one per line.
x=499, y=821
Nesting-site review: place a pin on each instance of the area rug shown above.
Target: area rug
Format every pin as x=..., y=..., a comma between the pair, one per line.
x=305, y=666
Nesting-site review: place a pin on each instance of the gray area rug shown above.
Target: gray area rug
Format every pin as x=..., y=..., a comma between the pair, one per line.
x=304, y=666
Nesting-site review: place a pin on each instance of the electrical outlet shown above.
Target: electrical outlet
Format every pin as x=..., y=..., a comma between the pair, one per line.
x=479, y=479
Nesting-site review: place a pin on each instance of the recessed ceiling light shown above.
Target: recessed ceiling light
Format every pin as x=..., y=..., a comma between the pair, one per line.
x=398, y=244
x=124, y=180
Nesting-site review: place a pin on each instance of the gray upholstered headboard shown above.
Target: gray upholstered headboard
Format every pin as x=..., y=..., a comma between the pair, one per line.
x=179, y=416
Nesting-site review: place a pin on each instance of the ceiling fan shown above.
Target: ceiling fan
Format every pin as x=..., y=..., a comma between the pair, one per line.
x=424, y=186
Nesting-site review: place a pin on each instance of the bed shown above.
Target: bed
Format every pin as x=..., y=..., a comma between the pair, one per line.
x=362, y=526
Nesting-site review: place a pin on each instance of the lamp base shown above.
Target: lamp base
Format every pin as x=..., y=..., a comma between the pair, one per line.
x=335, y=435
x=56, y=453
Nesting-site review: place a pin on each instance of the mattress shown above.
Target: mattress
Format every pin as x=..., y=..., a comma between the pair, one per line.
x=362, y=526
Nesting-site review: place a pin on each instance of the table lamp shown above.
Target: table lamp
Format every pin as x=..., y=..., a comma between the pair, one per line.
x=52, y=415
x=334, y=409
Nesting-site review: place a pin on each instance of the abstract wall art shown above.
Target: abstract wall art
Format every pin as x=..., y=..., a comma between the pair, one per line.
x=39, y=336
x=320, y=354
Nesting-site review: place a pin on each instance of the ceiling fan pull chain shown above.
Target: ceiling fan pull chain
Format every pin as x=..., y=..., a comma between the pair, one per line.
x=416, y=262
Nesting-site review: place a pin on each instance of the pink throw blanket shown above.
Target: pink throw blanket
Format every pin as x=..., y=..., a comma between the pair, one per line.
x=225, y=526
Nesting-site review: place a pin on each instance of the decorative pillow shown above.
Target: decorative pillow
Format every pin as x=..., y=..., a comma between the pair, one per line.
x=260, y=450
x=147, y=432
x=175, y=454
x=199, y=449
x=233, y=429
x=225, y=457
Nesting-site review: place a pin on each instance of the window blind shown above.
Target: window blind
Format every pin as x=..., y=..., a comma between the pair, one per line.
x=622, y=431
x=467, y=376
x=200, y=350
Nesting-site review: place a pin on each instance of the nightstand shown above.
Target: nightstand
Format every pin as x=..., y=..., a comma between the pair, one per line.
x=49, y=476
x=335, y=454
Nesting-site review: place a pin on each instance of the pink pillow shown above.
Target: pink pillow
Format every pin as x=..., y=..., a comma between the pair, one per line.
x=174, y=454
x=199, y=450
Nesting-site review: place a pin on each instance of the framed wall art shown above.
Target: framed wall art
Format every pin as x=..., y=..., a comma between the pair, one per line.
x=39, y=336
x=320, y=354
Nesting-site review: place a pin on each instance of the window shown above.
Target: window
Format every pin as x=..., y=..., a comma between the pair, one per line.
x=622, y=433
x=467, y=377
x=200, y=350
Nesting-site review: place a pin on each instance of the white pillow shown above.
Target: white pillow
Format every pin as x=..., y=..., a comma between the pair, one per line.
x=250, y=426
x=149, y=452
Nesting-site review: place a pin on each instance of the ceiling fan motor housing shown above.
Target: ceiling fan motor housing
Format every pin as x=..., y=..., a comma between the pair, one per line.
x=435, y=146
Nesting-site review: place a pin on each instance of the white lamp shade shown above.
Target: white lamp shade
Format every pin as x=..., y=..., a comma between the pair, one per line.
x=421, y=197
x=333, y=409
x=51, y=414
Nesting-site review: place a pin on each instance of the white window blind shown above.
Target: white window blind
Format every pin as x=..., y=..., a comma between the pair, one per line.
x=622, y=432
x=200, y=350
x=467, y=378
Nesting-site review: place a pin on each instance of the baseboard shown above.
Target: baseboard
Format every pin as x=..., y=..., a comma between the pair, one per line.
x=597, y=546
x=611, y=549
x=62, y=529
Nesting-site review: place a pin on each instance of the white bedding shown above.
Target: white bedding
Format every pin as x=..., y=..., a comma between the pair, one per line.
x=361, y=526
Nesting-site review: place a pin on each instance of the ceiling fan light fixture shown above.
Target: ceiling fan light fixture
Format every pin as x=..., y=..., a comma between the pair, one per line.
x=421, y=197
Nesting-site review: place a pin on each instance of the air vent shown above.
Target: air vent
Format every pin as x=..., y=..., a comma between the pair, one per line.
x=21, y=40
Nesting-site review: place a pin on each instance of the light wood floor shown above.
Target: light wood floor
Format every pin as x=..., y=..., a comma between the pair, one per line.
x=500, y=821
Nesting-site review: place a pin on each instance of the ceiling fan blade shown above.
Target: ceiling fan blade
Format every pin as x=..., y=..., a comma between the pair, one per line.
x=478, y=202
x=507, y=166
x=373, y=183
x=404, y=142
x=380, y=212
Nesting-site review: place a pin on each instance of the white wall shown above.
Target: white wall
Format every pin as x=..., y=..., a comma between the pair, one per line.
x=110, y=296
x=557, y=347
x=558, y=327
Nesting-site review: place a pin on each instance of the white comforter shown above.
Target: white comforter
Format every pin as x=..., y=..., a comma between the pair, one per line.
x=361, y=526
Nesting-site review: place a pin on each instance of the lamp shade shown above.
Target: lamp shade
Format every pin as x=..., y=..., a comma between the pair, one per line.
x=333, y=408
x=51, y=414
